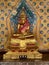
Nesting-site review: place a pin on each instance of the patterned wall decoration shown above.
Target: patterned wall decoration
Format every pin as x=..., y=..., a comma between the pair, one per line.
x=9, y=8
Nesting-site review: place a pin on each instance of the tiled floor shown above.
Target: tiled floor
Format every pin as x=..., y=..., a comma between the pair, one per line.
x=36, y=62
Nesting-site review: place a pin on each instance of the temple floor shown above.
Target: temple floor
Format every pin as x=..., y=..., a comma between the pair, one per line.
x=29, y=62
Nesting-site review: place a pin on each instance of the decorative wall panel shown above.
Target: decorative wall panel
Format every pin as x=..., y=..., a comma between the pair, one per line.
x=37, y=9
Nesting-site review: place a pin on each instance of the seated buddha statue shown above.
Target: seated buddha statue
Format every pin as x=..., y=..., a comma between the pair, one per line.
x=23, y=26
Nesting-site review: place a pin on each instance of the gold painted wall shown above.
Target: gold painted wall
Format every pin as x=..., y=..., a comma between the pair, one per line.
x=9, y=6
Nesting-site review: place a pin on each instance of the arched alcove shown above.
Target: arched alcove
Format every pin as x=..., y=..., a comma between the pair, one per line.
x=30, y=15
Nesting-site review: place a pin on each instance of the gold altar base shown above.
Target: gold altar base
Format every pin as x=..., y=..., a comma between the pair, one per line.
x=22, y=55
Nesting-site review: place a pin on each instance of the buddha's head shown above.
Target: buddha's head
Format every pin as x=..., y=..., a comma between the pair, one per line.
x=23, y=16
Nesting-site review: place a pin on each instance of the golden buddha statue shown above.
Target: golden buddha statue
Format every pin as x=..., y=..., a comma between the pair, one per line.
x=23, y=25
